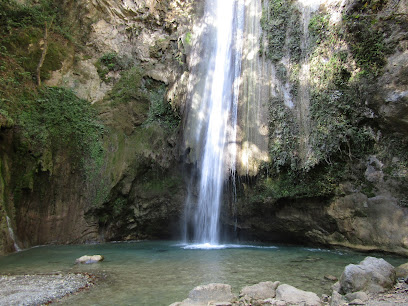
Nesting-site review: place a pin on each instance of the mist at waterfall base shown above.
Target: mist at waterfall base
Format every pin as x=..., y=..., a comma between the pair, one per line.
x=163, y=272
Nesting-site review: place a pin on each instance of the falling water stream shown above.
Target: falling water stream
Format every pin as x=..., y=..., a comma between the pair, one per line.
x=12, y=236
x=219, y=102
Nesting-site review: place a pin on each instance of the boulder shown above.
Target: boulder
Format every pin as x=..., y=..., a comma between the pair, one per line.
x=294, y=296
x=211, y=294
x=88, y=259
x=372, y=275
x=402, y=271
x=337, y=299
x=261, y=291
x=360, y=295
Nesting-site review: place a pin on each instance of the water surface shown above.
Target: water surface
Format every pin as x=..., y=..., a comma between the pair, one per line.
x=162, y=272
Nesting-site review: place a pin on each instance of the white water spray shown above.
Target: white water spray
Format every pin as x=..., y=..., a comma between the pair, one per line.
x=217, y=113
x=12, y=236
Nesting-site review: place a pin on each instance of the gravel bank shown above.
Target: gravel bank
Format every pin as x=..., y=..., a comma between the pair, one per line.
x=40, y=289
x=397, y=296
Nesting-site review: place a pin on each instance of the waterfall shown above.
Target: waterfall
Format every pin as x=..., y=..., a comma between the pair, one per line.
x=254, y=94
x=211, y=123
x=12, y=236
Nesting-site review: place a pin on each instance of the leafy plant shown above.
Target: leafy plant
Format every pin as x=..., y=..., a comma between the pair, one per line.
x=160, y=110
x=58, y=119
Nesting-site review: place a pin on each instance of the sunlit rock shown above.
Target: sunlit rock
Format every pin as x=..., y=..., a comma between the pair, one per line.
x=261, y=291
x=371, y=275
x=294, y=296
x=88, y=259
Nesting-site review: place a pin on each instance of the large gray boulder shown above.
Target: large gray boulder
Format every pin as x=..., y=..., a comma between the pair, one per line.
x=261, y=291
x=211, y=294
x=294, y=296
x=372, y=275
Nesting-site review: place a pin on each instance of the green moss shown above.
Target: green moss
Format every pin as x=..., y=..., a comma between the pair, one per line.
x=321, y=181
x=111, y=62
x=188, y=39
x=283, y=145
x=119, y=205
x=160, y=110
x=5, y=120
x=275, y=22
x=148, y=97
x=22, y=30
x=58, y=118
x=319, y=28
x=160, y=185
x=282, y=20
x=366, y=42
x=128, y=88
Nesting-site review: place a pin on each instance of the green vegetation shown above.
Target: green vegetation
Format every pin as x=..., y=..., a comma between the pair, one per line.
x=366, y=43
x=282, y=21
x=321, y=181
x=111, y=62
x=340, y=133
x=284, y=140
x=58, y=118
x=22, y=30
x=160, y=110
x=50, y=123
x=274, y=22
x=188, y=38
x=147, y=97
x=128, y=88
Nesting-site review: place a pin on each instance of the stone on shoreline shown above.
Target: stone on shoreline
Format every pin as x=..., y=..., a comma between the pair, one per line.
x=261, y=291
x=88, y=259
x=372, y=275
x=294, y=296
x=402, y=271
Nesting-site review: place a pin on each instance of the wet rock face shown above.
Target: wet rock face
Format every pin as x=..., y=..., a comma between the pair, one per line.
x=132, y=55
x=391, y=98
x=356, y=195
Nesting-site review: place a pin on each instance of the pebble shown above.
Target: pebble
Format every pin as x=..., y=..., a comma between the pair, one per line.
x=40, y=289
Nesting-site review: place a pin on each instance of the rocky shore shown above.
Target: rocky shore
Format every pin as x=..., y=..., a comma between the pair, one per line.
x=41, y=288
x=372, y=282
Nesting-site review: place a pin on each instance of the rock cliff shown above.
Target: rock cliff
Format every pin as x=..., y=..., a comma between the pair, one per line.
x=96, y=154
x=338, y=166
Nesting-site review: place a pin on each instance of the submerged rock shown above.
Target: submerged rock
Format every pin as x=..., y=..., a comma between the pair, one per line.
x=371, y=275
x=88, y=259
